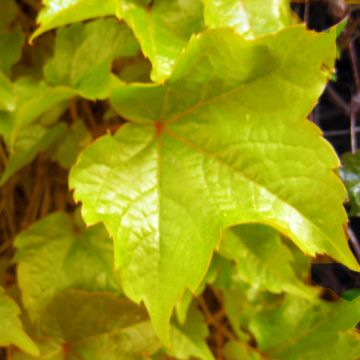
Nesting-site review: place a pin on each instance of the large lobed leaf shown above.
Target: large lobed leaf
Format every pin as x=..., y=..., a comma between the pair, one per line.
x=69, y=329
x=164, y=27
x=225, y=141
x=56, y=258
x=57, y=253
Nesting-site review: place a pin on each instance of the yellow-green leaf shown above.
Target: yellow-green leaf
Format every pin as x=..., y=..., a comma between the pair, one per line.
x=251, y=18
x=57, y=253
x=11, y=329
x=94, y=326
x=163, y=30
x=225, y=141
x=83, y=56
x=262, y=260
x=56, y=13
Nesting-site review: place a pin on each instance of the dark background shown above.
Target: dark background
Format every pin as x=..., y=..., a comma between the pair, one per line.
x=337, y=113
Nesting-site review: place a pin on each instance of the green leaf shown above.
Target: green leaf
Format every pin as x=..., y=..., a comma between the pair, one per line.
x=164, y=30
x=218, y=263
x=29, y=127
x=83, y=55
x=10, y=47
x=119, y=329
x=225, y=141
x=251, y=18
x=8, y=13
x=11, y=37
x=74, y=140
x=350, y=175
x=188, y=341
x=351, y=294
x=323, y=332
x=56, y=13
x=7, y=100
x=11, y=329
x=242, y=302
x=301, y=264
x=58, y=252
x=234, y=350
x=29, y=142
x=262, y=260
x=32, y=99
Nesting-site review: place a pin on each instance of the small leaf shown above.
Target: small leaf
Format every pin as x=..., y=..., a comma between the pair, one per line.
x=225, y=141
x=56, y=13
x=8, y=13
x=251, y=18
x=217, y=263
x=242, y=302
x=57, y=253
x=29, y=142
x=32, y=99
x=262, y=260
x=83, y=55
x=188, y=341
x=11, y=329
x=323, y=332
x=7, y=96
x=163, y=30
x=11, y=37
x=29, y=125
x=234, y=350
x=10, y=47
x=74, y=140
x=351, y=294
x=350, y=175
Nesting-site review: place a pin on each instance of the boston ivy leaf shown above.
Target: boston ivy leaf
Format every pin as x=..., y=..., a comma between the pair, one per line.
x=11, y=37
x=188, y=341
x=351, y=294
x=29, y=142
x=325, y=330
x=242, y=302
x=11, y=329
x=234, y=350
x=92, y=326
x=301, y=264
x=163, y=30
x=83, y=55
x=10, y=47
x=32, y=99
x=262, y=260
x=56, y=13
x=225, y=141
x=7, y=96
x=251, y=18
x=8, y=13
x=74, y=140
x=58, y=252
x=29, y=126
x=350, y=175
x=218, y=263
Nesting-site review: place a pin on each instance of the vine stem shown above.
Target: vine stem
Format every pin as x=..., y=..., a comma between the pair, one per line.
x=354, y=107
x=354, y=242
